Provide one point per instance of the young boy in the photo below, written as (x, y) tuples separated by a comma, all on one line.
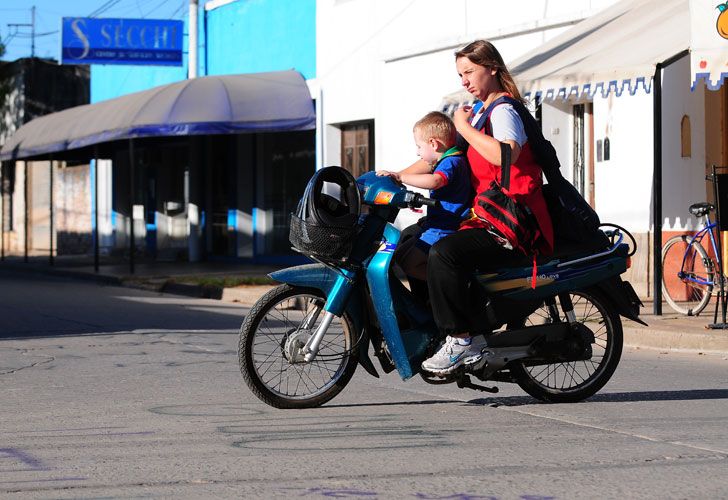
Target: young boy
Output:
[(449, 182)]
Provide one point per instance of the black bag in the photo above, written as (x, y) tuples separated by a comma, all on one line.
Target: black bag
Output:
[(571, 216)]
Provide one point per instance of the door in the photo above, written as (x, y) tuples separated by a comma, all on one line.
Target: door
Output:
[(357, 147), (579, 175)]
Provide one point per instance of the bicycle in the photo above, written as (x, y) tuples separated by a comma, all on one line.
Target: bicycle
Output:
[(693, 288)]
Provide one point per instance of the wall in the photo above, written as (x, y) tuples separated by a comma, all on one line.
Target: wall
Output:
[(627, 176), (252, 36), (109, 81), (683, 179)]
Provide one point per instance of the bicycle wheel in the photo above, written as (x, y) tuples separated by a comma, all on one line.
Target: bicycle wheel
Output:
[(574, 381), (271, 338), (687, 289)]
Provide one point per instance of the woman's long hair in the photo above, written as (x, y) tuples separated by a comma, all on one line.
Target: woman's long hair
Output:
[(484, 53)]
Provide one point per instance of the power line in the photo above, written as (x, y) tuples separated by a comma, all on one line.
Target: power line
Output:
[(109, 4), (155, 8), (31, 35)]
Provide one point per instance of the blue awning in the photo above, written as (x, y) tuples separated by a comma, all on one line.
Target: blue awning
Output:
[(230, 104)]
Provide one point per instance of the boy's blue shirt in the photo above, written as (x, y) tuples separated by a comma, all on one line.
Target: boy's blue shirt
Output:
[(455, 197)]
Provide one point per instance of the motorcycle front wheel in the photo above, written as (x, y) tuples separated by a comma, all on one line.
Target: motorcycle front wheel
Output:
[(577, 380), (270, 355)]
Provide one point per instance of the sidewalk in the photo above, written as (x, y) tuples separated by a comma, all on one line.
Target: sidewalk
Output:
[(245, 283)]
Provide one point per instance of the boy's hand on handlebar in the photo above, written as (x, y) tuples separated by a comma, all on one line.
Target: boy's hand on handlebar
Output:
[(386, 173)]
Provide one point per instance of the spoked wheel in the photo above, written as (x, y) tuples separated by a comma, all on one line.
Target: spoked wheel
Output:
[(687, 290), (270, 350), (577, 380)]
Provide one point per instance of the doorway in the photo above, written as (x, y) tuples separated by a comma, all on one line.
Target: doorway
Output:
[(583, 160)]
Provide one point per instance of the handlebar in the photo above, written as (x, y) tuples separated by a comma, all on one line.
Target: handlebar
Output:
[(416, 200)]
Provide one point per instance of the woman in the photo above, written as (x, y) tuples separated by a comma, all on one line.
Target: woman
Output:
[(457, 303)]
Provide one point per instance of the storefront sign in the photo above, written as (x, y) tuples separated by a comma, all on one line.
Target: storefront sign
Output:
[(121, 41)]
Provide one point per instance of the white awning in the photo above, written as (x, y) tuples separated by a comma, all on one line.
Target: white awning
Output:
[(615, 50), (227, 104)]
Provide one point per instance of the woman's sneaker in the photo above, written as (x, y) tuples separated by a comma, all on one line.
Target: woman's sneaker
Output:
[(453, 353)]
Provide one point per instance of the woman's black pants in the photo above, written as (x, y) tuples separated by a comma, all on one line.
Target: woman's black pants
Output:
[(458, 303)]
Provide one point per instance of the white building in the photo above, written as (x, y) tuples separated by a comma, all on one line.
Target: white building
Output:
[(381, 65)]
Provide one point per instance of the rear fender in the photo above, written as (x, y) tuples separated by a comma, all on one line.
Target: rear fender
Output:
[(322, 278), (622, 296)]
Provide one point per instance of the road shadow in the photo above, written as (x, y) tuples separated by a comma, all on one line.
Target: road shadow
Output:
[(612, 397), (615, 397), (394, 403)]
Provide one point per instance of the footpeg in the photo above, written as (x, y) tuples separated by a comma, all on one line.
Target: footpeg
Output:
[(466, 383)]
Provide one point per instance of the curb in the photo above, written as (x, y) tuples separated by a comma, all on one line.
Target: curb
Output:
[(693, 339)]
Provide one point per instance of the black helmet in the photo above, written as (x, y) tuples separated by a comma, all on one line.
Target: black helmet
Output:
[(327, 215), (331, 199)]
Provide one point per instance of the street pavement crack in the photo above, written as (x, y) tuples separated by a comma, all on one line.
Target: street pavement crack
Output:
[(616, 431), (24, 352)]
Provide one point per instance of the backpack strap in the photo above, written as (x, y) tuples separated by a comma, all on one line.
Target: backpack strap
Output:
[(480, 124), (505, 165)]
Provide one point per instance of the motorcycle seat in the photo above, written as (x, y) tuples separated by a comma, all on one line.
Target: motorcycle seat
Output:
[(563, 250)]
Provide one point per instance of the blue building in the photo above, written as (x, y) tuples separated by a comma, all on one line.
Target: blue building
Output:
[(196, 188), (240, 187)]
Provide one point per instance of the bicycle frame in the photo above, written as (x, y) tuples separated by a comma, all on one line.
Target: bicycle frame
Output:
[(697, 239)]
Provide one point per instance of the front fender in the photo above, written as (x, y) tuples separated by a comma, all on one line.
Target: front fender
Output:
[(322, 278), (315, 276)]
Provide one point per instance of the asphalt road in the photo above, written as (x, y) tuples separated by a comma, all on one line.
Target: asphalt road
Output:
[(112, 392)]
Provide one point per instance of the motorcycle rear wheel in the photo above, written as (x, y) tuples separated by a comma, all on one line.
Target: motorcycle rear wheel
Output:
[(577, 380), (269, 353)]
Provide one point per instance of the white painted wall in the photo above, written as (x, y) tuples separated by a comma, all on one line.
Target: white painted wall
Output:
[(623, 185), (392, 60), (683, 179)]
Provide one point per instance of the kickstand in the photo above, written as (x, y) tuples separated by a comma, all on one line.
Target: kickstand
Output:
[(465, 383)]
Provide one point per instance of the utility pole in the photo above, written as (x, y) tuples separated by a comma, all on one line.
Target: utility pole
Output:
[(32, 30), (192, 50)]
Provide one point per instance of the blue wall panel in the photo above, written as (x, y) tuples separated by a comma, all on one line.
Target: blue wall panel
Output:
[(109, 81), (250, 36)]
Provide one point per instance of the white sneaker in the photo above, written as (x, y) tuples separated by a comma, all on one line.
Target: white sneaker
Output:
[(453, 353)]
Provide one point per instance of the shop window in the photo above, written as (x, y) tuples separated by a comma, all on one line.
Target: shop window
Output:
[(685, 144)]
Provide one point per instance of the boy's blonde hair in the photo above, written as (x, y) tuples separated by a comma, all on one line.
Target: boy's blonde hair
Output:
[(436, 125)]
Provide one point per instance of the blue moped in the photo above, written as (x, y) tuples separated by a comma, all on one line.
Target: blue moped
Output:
[(560, 341)]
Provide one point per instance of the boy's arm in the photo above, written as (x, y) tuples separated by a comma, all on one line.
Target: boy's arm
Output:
[(418, 167), (424, 181)]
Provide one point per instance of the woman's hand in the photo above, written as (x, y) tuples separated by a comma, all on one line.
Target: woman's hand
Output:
[(386, 173), (461, 118)]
